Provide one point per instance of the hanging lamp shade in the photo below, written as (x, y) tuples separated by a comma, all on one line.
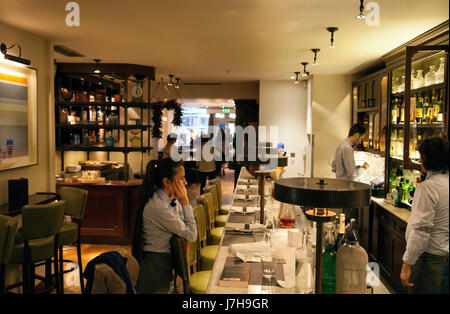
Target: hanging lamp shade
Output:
[(322, 192)]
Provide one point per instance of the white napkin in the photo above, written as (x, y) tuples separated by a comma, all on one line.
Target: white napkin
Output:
[(243, 197), (250, 209), (241, 226), (250, 252)]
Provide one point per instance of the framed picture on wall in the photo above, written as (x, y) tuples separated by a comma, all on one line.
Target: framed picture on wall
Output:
[(18, 115)]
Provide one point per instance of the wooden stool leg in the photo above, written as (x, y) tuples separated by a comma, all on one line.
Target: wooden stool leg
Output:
[(26, 268), (80, 265), (2, 279), (61, 270), (48, 273), (55, 265)]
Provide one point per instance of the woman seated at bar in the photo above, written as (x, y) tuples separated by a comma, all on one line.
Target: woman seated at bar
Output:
[(425, 262), (163, 210)]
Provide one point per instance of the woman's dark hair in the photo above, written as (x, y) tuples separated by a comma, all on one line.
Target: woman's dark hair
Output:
[(434, 153), (155, 173), (356, 128)]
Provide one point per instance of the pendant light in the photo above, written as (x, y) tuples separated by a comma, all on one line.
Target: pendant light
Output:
[(97, 69), (305, 73), (177, 85), (361, 15), (332, 30), (315, 50)]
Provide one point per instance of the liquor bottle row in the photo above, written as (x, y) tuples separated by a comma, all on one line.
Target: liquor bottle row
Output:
[(89, 94), (421, 78), (88, 138), (416, 137), (425, 108), (89, 115), (402, 187)]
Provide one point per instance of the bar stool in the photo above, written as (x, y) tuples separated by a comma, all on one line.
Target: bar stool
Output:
[(76, 200), (193, 282), (223, 209), (219, 220), (37, 241), (8, 231), (214, 233), (206, 253)]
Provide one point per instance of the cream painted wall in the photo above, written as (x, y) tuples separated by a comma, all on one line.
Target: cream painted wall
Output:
[(40, 52), (331, 118), (284, 104)]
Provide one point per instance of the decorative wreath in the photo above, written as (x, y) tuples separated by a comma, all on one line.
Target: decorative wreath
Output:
[(168, 104)]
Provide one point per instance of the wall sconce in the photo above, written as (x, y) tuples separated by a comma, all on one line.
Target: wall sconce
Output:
[(97, 70), (332, 30), (4, 49), (305, 73), (361, 15), (177, 85), (315, 50), (170, 81)]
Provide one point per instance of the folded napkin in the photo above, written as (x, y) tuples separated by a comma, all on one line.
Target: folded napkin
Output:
[(250, 252), (243, 197), (245, 186), (250, 209), (241, 226)]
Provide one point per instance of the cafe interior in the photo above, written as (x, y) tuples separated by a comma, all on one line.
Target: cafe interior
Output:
[(92, 92)]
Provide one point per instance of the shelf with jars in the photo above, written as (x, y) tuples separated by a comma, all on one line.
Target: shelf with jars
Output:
[(103, 111), (415, 113)]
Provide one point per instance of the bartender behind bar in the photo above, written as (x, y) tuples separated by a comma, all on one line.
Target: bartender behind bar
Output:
[(343, 164), (425, 262)]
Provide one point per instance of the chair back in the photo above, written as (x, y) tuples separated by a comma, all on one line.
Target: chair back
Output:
[(42, 221), (200, 218), (76, 200), (213, 190), (180, 260), (218, 185), (207, 201), (8, 231)]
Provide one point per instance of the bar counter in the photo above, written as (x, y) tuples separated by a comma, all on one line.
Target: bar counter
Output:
[(110, 211)]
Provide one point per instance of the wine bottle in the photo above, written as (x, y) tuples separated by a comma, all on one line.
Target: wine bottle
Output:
[(426, 110), (402, 111), (439, 109), (341, 233), (419, 109), (394, 111)]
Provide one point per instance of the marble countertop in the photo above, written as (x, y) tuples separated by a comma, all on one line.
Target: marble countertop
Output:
[(401, 213)]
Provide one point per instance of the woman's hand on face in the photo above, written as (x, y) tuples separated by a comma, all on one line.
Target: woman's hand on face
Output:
[(180, 193)]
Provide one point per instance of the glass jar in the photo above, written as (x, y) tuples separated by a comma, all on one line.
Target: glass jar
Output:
[(439, 76), (304, 274), (420, 80), (430, 76)]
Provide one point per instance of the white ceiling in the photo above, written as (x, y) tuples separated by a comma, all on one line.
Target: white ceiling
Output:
[(198, 40)]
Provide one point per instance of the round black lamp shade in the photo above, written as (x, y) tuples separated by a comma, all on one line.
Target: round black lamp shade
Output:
[(322, 192)]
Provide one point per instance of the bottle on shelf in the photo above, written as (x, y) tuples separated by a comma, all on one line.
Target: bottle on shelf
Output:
[(329, 263), (394, 111), (439, 114), (405, 192), (426, 110), (439, 76), (412, 110), (419, 109), (413, 78), (92, 115), (402, 111), (341, 233), (420, 80), (430, 76)]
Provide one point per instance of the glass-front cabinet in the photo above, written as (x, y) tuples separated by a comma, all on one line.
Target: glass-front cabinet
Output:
[(418, 110)]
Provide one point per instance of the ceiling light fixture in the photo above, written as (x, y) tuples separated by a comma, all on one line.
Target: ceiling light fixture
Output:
[(292, 77), (170, 81), (332, 30), (18, 58), (177, 85), (97, 69), (315, 50), (305, 73), (296, 77), (361, 15)]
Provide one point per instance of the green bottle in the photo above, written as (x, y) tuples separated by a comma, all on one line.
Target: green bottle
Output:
[(329, 264), (419, 111), (405, 191)]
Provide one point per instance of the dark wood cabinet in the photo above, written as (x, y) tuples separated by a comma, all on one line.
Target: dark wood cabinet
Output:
[(388, 245)]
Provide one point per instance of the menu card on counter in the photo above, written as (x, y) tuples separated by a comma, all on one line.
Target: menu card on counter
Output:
[(235, 276)]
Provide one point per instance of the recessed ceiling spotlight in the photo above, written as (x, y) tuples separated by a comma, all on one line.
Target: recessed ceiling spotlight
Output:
[(315, 50), (332, 30), (361, 15)]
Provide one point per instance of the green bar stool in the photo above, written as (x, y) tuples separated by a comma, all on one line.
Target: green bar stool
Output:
[(223, 209), (214, 233), (206, 253), (76, 200), (219, 220), (8, 231), (37, 241), (193, 282)]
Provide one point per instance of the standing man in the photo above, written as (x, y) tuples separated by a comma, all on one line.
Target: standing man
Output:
[(343, 164), (425, 262), (344, 160)]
